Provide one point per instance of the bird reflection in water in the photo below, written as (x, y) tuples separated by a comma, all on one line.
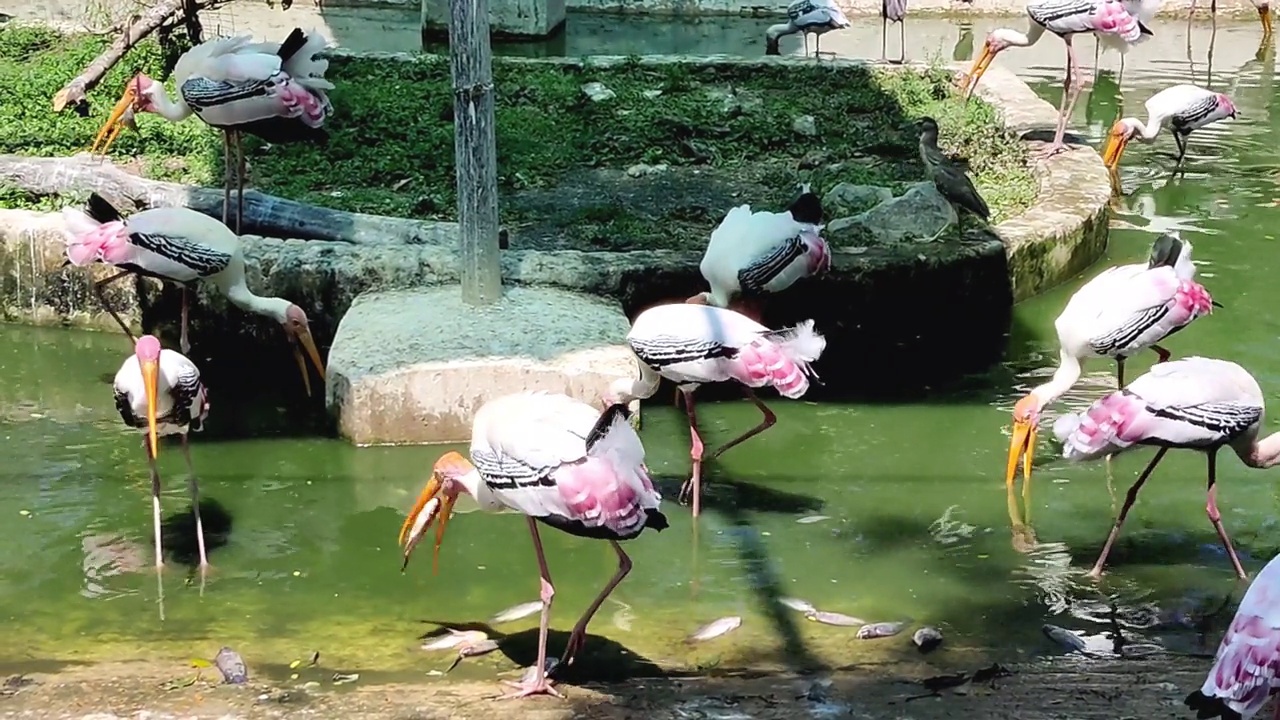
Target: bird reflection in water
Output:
[(1208, 76)]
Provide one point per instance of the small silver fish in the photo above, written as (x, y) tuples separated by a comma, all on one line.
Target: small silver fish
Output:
[(810, 519), (454, 638), (797, 604), (467, 649), (834, 618), (1064, 637), (715, 629), (880, 630), (927, 639), (515, 612), (232, 667)]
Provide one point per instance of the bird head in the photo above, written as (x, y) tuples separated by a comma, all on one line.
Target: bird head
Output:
[(299, 332), (807, 207), (998, 40), (1224, 102), (1022, 444), (139, 96), (147, 350), (1117, 140), (927, 127), (435, 502)]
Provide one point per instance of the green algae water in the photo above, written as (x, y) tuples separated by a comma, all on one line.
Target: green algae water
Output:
[(882, 511)]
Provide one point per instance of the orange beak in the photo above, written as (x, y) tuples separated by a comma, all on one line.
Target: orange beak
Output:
[(305, 339), (1117, 141), (150, 378), (121, 117), (1022, 446), (979, 67), (426, 510)]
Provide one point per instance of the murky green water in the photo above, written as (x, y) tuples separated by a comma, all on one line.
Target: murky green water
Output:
[(915, 520)]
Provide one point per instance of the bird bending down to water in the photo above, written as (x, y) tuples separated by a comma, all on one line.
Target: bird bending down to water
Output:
[(273, 91), (181, 246), (1262, 6), (1116, 24), (1244, 673), (159, 392), (805, 17), (893, 11), (558, 461), (1184, 107), (949, 177), (1195, 403), (1121, 312), (692, 345), (754, 253)]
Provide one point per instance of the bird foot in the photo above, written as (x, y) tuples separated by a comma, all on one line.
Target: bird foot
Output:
[(1054, 149), (538, 686), (686, 492)]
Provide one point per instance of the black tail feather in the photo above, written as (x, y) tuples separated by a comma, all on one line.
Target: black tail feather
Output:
[(1216, 304), (1209, 707), (292, 44), (101, 210), (607, 418)]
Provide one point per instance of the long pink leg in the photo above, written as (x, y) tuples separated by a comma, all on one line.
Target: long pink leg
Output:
[(1129, 499), (539, 685), (155, 500), (1211, 508), (1068, 100), (579, 635), (693, 488), (769, 420), (102, 300)]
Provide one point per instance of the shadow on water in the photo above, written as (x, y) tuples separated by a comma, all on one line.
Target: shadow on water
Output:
[(178, 532)]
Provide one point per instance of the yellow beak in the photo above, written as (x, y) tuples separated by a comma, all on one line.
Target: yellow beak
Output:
[(979, 67), (121, 117), (428, 508), (1021, 446), (1117, 141), (150, 378), (1264, 14), (304, 337)]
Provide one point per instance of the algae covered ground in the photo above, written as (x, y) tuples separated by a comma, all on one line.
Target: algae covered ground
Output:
[(391, 150)]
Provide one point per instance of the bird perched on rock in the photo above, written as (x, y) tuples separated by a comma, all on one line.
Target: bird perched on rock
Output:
[(806, 16), (949, 176)]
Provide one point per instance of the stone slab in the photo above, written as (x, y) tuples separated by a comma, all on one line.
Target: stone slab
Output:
[(414, 366), (529, 19)]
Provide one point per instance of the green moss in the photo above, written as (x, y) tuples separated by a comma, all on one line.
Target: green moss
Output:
[(391, 150)]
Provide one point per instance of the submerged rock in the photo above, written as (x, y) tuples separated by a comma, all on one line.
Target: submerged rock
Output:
[(846, 199)]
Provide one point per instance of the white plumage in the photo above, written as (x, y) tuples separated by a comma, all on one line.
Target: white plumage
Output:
[(1185, 108), (766, 251), (182, 403), (806, 16)]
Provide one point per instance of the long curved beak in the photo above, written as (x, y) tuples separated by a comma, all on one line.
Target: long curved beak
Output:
[(150, 379), (307, 342), (426, 510), (1116, 143), (1022, 446), (121, 117), (979, 67)]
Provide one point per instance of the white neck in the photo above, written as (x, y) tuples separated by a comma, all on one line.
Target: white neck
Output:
[(272, 307), (717, 297), (471, 482), (625, 390), (1145, 131), (1013, 38), (168, 109), (1262, 454), (1064, 377)]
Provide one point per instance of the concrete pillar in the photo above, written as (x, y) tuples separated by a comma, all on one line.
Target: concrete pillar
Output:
[(508, 19)]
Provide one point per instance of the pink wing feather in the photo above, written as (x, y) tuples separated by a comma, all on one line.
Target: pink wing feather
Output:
[(1111, 18), (88, 240), (597, 494), (1249, 657)]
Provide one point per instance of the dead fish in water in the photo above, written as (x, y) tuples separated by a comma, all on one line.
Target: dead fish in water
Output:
[(797, 604), (810, 519), (880, 630), (455, 638), (1064, 637), (715, 629), (466, 650), (232, 667), (927, 639), (834, 618), (515, 612)]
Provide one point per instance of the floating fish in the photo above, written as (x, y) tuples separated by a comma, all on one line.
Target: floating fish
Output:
[(466, 650), (455, 638), (715, 629), (810, 519), (880, 630), (1064, 637), (834, 618), (515, 612), (927, 639), (623, 616), (344, 678), (798, 605), (232, 667)]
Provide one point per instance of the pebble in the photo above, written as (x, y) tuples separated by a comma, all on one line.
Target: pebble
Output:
[(598, 92), (927, 639)]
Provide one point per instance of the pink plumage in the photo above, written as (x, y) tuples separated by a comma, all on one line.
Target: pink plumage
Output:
[(297, 101), (765, 362), (1112, 18), (819, 255), (1190, 301), (1112, 423), (596, 495), (88, 241)]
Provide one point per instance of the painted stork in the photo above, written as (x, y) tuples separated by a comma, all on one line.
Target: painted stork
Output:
[(1184, 108), (692, 345), (893, 11), (159, 393), (181, 246), (1121, 312), (1116, 24), (1262, 6), (1195, 403), (276, 92), (557, 461), (1243, 675), (805, 17), (951, 178)]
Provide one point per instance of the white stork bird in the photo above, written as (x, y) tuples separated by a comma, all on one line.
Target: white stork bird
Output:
[(181, 246), (159, 392), (692, 345), (1117, 25), (1243, 676), (753, 253), (1262, 6), (1195, 403), (804, 17), (1183, 107), (1121, 312), (555, 460), (276, 92)]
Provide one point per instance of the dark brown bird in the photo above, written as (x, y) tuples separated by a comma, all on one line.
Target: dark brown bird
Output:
[(950, 177)]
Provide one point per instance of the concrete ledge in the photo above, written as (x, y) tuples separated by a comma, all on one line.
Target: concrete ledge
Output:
[(414, 366)]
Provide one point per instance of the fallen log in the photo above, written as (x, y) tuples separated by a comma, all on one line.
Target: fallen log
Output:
[(265, 215), (74, 92)]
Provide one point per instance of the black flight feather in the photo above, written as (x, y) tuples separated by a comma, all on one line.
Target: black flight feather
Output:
[(101, 210), (605, 423), (1209, 707), (292, 44)]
